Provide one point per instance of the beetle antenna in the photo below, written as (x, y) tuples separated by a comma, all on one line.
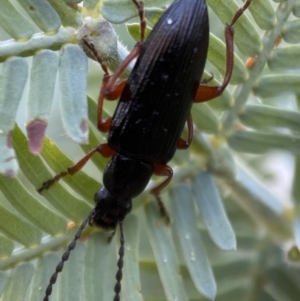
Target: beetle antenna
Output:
[(120, 263), (66, 255)]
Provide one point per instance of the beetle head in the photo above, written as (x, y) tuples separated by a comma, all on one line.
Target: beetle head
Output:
[(109, 209)]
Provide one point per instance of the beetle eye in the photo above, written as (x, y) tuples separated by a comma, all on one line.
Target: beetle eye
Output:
[(101, 194)]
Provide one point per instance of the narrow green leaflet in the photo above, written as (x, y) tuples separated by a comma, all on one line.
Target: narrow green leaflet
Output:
[(3, 281), (8, 163), (119, 11), (34, 211), (13, 77), (70, 281), (284, 58), (40, 97), (18, 282), (264, 117), (290, 32), (131, 286), (134, 31), (259, 192), (16, 229), (6, 248), (263, 14), (21, 30), (42, 14), (43, 271), (259, 203), (73, 83), (69, 16), (96, 266), (14, 73), (194, 253), (206, 119), (165, 256), (277, 84), (213, 212), (257, 142), (153, 14)]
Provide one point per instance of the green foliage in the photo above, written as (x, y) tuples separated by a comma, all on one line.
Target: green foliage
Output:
[(224, 194)]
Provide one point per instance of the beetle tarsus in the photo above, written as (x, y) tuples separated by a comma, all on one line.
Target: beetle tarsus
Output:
[(163, 210)]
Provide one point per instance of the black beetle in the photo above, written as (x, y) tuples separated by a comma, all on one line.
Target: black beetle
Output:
[(155, 103)]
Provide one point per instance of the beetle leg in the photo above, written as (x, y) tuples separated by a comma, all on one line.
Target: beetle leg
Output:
[(104, 124), (112, 87), (162, 170), (94, 52), (240, 12), (184, 144), (103, 149), (141, 13), (204, 92), (112, 84), (113, 80)]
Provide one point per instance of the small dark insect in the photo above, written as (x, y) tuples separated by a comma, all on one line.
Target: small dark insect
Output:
[(155, 103)]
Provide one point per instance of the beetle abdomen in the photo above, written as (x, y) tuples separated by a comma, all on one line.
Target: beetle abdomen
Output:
[(159, 93)]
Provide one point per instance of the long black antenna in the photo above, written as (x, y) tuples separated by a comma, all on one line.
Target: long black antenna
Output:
[(66, 255), (120, 263)]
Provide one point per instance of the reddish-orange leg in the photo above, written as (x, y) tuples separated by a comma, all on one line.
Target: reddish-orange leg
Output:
[(184, 144), (103, 149), (204, 92), (165, 171), (112, 94), (141, 13)]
